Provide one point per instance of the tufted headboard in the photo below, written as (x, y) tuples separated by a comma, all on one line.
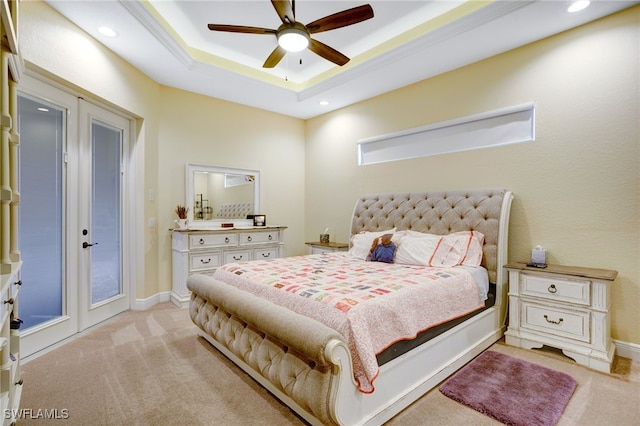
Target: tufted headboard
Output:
[(443, 212)]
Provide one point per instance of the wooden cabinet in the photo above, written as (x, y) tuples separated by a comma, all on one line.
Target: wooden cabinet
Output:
[(565, 307), (316, 247), (202, 252), (10, 259), (10, 381)]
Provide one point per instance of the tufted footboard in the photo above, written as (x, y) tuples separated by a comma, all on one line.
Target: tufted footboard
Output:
[(291, 355)]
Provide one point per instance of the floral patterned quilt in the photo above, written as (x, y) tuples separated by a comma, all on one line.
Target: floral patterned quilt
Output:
[(372, 304)]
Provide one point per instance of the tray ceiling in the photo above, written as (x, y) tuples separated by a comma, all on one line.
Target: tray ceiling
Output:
[(405, 42)]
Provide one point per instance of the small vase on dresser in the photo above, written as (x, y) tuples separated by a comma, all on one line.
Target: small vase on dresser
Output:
[(203, 251)]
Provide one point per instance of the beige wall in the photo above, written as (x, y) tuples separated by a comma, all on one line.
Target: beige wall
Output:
[(576, 187)]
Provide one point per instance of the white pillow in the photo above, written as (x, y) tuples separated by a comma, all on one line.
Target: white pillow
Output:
[(417, 248), (361, 243), (459, 248)]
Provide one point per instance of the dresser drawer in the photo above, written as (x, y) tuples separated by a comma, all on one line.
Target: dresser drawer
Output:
[(212, 240), (556, 321), (557, 289), (260, 237), (265, 253), (205, 260), (237, 256)]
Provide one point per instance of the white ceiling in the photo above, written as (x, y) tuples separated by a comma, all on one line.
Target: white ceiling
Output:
[(405, 42)]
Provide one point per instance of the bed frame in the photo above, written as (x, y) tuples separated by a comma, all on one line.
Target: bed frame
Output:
[(307, 365)]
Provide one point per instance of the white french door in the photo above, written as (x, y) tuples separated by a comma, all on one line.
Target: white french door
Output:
[(72, 214), (103, 140)]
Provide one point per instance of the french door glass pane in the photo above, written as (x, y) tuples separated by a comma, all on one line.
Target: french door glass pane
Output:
[(40, 219), (106, 145)]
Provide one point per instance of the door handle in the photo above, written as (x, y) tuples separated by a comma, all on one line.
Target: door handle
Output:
[(86, 244)]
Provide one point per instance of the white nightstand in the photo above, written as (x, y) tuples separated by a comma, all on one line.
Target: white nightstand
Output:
[(316, 247), (565, 307)]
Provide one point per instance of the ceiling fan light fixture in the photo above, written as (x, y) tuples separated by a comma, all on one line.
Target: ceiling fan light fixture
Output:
[(577, 6), (293, 39)]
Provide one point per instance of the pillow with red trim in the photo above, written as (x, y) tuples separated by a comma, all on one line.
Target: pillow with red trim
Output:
[(458, 248)]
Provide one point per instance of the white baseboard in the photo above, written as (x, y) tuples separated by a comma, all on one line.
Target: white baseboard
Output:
[(627, 350), (144, 304)]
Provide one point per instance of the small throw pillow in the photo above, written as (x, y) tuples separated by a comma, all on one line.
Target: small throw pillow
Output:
[(383, 249)]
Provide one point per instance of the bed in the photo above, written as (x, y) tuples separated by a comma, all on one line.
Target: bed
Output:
[(311, 366)]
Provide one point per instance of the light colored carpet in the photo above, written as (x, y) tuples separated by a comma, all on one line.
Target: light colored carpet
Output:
[(149, 368)]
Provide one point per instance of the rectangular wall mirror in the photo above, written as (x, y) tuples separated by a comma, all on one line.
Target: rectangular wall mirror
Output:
[(217, 195)]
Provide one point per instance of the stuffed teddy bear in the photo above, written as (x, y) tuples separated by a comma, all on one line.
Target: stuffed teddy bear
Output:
[(382, 249)]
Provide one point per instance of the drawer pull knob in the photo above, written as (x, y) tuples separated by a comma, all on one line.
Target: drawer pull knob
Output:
[(552, 321), (205, 261), (201, 241), (270, 237), (226, 239), (237, 257), (249, 238), (266, 254), (552, 289)]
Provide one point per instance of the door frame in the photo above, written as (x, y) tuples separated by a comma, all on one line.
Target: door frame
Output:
[(31, 84)]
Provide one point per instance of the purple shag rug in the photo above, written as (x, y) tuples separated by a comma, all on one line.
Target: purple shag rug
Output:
[(512, 391)]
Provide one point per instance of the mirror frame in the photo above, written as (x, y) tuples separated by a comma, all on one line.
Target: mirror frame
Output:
[(191, 168)]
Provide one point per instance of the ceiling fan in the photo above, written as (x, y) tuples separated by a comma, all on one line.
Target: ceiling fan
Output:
[(294, 36)]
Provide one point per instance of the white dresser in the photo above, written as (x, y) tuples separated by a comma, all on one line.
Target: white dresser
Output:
[(565, 307), (201, 252)]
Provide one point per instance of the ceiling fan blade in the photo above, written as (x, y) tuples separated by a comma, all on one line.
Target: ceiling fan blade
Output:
[(275, 57), (284, 9), (240, 29), (341, 19), (329, 53)]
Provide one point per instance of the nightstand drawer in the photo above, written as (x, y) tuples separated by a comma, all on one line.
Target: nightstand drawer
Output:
[(321, 250), (205, 260), (557, 289), (556, 321)]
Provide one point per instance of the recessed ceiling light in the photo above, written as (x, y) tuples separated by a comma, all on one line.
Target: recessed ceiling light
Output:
[(323, 103), (577, 6), (106, 31)]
